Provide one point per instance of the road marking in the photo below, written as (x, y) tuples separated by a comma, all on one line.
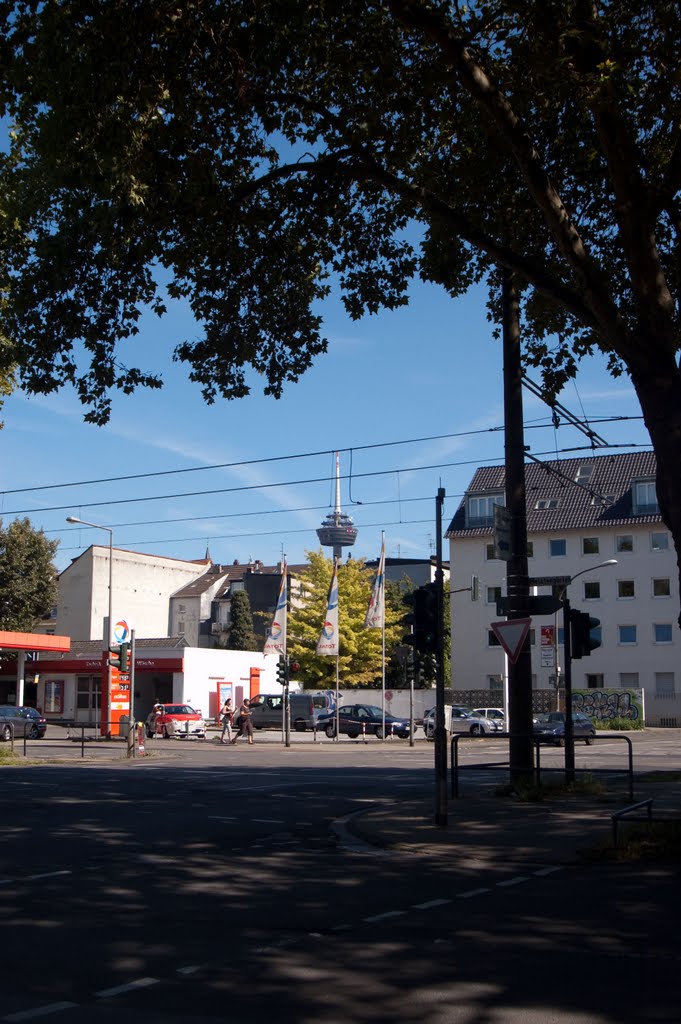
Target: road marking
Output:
[(40, 1011), (268, 821), (47, 874), (131, 986), (189, 970), (471, 892), (513, 881), (385, 916), (547, 871), (430, 903)]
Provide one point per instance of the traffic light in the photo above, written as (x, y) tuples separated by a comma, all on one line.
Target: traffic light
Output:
[(125, 659), (282, 670), (423, 619), (293, 668), (585, 635), (115, 656)]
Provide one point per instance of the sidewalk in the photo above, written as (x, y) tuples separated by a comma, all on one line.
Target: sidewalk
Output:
[(484, 829)]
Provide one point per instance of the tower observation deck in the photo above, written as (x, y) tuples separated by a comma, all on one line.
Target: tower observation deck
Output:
[(337, 530)]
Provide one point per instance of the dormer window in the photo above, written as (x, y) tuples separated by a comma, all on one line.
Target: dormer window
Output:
[(544, 504), (645, 498), (480, 509), (584, 473)]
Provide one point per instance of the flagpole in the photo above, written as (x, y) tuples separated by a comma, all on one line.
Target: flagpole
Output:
[(383, 641), (337, 700)]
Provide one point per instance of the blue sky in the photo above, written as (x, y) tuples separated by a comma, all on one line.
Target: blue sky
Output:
[(429, 370)]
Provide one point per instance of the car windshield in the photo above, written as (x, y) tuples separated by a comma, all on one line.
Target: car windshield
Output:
[(179, 709)]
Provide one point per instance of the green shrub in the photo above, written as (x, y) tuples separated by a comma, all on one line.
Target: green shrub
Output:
[(620, 724)]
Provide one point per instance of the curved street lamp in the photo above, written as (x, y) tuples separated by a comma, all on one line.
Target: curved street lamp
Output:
[(107, 639), (567, 663)]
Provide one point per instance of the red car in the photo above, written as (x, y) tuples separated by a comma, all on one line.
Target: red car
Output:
[(175, 720)]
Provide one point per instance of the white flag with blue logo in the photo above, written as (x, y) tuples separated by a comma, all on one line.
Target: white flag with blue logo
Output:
[(376, 610), (328, 641), (276, 640)]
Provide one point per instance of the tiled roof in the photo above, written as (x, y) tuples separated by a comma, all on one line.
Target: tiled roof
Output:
[(603, 499), (94, 647)]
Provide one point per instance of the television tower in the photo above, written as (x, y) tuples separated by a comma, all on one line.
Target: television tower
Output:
[(337, 530)]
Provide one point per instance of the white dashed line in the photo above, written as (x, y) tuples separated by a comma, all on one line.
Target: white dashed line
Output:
[(471, 892), (547, 871), (430, 903), (189, 970), (40, 1011), (512, 881), (47, 874), (131, 986), (384, 917)]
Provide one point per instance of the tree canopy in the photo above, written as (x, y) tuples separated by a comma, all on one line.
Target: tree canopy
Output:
[(245, 155), (28, 576), (360, 655), (241, 634)]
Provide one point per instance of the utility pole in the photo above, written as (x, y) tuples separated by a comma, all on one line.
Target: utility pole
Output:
[(521, 749), (440, 730)]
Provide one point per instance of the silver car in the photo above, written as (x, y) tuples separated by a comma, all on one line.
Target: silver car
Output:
[(460, 719)]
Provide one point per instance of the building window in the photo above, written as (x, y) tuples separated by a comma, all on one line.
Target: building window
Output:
[(532, 636), (495, 682), (592, 590), (659, 542), (645, 498), (480, 509), (584, 473), (625, 589), (626, 634), (557, 548), (629, 680), (493, 595), (546, 504), (662, 632), (180, 628), (561, 637), (489, 552), (530, 549), (625, 542), (594, 680), (664, 684), (589, 545), (492, 640), (662, 588)]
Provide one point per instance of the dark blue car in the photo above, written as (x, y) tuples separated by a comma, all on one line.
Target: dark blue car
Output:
[(363, 720)]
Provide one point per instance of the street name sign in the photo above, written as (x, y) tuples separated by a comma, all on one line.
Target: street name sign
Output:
[(549, 581)]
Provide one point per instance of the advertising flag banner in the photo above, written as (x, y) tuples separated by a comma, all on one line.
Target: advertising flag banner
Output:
[(376, 610), (328, 640), (276, 641)]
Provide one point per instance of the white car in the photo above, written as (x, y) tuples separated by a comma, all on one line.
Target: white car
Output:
[(493, 713)]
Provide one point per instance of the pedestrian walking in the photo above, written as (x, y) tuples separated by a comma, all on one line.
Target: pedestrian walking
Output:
[(227, 717), (243, 721)]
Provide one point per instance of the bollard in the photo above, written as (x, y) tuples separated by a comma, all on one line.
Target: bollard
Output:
[(364, 731)]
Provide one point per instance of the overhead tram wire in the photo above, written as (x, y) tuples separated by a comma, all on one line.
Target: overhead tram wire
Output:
[(289, 458)]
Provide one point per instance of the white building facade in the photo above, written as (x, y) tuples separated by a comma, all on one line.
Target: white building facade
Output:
[(580, 513)]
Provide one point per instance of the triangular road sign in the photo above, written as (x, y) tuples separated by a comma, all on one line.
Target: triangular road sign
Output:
[(511, 635)]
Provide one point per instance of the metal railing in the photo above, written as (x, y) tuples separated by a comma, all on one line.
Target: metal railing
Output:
[(537, 769)]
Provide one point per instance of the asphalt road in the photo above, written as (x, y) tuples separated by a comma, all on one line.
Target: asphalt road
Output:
[(207, 883)]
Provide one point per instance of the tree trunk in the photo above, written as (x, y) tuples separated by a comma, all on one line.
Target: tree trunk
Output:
[(658, 388)]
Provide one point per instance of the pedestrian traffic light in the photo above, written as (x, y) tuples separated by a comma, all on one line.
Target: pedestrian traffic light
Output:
[(125, 659), (424, 634), (282, 670), (585, 633)]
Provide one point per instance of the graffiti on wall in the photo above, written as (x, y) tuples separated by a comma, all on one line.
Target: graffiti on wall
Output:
[(605, 705)]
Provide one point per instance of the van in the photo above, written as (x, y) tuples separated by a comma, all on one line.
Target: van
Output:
[(267, 710)]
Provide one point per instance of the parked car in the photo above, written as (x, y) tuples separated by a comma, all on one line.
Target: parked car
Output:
[(551, 727), (461, 719), (175, 720), (22, 721), (357, 719), (267, 710), (496, 713)]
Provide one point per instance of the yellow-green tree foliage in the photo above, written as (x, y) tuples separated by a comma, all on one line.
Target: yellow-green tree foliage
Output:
[(360, 648)]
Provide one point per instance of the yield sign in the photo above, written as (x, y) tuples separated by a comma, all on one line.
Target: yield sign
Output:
[(511, 635)]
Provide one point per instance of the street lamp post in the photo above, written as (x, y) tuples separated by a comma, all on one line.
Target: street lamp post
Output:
[(107, 639), (567, 668)]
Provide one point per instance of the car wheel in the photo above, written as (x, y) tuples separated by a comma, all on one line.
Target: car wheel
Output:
[(166, 734), (299, 725), (560, 743), (6, 732), (475, 730), (150, 735), (330, 730), (403, 735), (589, 740), (379, 732), (34, 733), (353, 735)]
